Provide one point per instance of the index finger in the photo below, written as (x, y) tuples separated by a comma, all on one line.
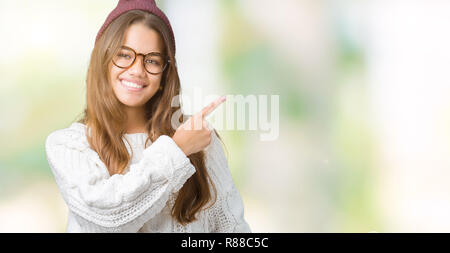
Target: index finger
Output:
[(211, 107)]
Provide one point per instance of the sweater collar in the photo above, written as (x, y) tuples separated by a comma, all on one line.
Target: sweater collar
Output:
[(135, 139)]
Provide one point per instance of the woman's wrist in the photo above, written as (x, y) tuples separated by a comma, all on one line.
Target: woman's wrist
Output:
[(175, 139)]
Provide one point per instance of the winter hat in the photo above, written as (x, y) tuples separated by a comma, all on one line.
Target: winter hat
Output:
[(145, 5)]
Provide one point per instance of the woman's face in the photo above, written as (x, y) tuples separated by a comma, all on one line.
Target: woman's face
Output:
[(142, 40)]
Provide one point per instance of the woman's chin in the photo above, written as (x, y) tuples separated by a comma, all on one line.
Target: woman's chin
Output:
[(129, 103)]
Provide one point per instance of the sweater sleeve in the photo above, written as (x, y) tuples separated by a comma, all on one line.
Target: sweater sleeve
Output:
[(227, 213), (118, 203)]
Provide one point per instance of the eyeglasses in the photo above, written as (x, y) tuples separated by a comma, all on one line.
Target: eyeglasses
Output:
[(154, 63)]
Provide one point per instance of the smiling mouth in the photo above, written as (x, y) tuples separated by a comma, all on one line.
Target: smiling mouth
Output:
[(132, 86)]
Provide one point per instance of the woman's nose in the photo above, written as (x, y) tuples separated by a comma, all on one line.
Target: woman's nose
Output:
[(137, 68)]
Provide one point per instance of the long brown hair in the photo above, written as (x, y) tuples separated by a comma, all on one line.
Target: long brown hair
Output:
[(105, 117)]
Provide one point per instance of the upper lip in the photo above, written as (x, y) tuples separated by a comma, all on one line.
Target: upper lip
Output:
[(134, 81)]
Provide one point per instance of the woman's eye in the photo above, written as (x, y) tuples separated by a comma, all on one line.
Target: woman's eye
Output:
[(152, 62), (124, 56)]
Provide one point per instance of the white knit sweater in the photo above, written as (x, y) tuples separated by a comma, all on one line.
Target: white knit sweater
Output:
[(141, 199)]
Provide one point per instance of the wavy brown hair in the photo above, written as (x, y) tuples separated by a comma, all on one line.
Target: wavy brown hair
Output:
[(105, 117)]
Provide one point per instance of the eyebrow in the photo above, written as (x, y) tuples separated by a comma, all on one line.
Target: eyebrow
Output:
[(154, 53)]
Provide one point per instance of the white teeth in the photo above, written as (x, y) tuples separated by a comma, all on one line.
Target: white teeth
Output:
[(133, 85)]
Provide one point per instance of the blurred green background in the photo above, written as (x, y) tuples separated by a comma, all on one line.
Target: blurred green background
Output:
[(364, 142)]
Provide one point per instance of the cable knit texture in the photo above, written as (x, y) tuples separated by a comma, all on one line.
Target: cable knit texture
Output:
[(140, 200)]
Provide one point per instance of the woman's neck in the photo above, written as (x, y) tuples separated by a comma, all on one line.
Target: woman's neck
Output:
[(136, 120)]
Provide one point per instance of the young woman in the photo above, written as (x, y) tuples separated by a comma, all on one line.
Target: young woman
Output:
[(124, 167)]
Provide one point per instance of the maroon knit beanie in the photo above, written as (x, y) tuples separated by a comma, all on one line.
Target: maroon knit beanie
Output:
[(145, 5)]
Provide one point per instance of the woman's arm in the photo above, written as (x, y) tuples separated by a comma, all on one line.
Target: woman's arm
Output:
[(227, 214), (118, 203)]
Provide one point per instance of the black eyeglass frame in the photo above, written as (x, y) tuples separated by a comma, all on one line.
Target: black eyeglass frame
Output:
[(166, 61)]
